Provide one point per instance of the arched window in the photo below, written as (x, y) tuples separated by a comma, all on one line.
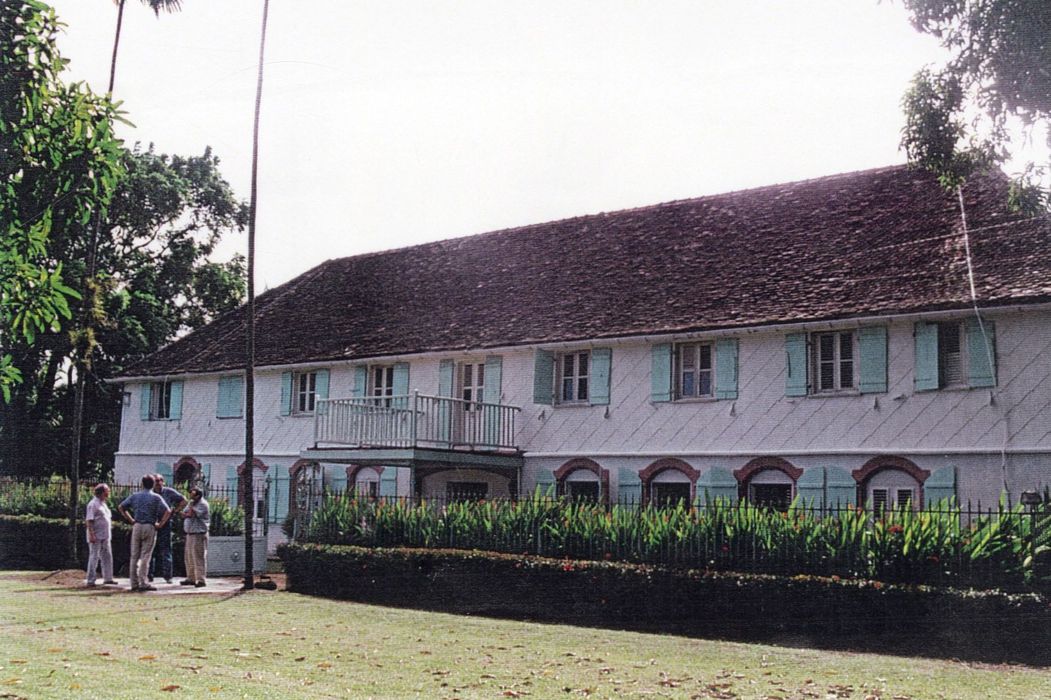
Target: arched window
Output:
[(366, 482), (768, 482), (187, 471), (583, 479), (668, 482), (891, 483)]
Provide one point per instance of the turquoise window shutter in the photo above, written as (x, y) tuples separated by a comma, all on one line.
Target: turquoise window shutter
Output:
[(726, 368), (338, 479), (660, 372), (165, 470), (926, 339), (981, 373), (601, 371), (279, 494), (796, 383), (145, 398), (389, 482), (286, 393), (544, 377), (810, 488), (321, 390), (231, 485), (872, 354), (629, 487), (491, 394), (716, 484), (175, 409), (940, 488), (361, 381), (206, 476), (446, 369), (231, 397), (545, 483), (401, 383), (840, 488)]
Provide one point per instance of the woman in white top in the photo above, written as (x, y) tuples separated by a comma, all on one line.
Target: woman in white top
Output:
[(98, 523)]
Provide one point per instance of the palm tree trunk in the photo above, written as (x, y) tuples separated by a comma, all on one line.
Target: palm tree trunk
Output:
[(249, 499), (116, 43)]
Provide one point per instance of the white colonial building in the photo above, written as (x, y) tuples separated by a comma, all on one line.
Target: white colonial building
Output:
[(817, 339)]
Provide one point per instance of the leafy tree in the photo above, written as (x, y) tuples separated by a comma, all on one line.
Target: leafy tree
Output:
[(959, 117), (156, 281), (59, 161)]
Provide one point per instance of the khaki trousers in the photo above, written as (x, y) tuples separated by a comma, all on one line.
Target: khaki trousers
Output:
[(143, 537), (195, 555)]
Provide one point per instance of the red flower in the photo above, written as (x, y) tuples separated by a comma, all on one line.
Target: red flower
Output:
[(896, 529), (607, 556), (567, 566), (933, 557)]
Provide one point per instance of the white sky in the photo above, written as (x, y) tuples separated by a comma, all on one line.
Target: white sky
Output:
[(392, 123)]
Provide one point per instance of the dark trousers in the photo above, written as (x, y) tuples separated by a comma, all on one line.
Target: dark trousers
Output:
[(162, 553)]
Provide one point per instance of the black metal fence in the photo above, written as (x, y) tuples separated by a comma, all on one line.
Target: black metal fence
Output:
[(944, 544)]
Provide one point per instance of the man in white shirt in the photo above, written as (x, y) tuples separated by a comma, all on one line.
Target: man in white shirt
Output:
[(99, 522)]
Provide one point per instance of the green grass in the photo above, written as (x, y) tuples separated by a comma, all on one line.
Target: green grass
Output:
[(66, 643)]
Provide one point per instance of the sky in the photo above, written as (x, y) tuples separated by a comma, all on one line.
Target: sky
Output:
[(387, 124)]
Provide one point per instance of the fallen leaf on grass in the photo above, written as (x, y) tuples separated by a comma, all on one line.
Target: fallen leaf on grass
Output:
[(324, 664), (55, 650), (147, 657), (170, 688), (12, 681), (19, 661), (301, 658), (101, 653), (196, 649)]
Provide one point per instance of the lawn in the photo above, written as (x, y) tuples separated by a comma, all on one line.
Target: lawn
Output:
[(60, 642)]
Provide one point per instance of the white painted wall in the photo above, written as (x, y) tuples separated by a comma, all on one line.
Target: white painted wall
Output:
[(965, 428)]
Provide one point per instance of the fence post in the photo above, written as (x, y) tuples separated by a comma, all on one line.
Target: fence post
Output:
[(266, 508)]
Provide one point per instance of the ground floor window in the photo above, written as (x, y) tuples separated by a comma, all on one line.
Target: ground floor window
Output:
[(466, 490), (892, 489), (773, 496), (671, 493), (367, 483), (582, 490)]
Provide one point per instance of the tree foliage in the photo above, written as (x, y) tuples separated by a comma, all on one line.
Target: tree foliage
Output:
[(998, 74), (59, 162)]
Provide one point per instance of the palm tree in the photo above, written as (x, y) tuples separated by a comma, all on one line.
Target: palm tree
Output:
[(82, 360), (249, 582)]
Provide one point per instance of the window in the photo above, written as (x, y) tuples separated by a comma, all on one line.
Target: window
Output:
[(231, 398), (950, 354), (892, 490), (160, 401), (472, 385), (582, 490), (833, 360), (304, 392), (466, 490), (693, 370), (382, 383), (774, 496), (572, 376), (367, 484), (671, 493)]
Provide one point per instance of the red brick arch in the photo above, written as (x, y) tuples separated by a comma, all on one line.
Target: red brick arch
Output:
[(352, 474), (894, 463), (585, 464), (648, 474), (761, 464), (256, 462), (182, 464)]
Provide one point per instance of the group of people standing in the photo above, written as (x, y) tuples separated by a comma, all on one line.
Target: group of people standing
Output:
[(149, 511)]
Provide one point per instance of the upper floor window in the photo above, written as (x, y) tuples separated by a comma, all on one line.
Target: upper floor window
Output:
[(573, 376), (381, 383), (694, 370), (160, 400), (950, 354), (833, 360), (472, 384), (304, 392)]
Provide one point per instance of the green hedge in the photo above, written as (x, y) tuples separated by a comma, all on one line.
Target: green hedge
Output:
[(30, 541), (813, 610)]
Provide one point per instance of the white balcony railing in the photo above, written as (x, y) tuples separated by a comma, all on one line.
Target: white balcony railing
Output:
[(415, 420)]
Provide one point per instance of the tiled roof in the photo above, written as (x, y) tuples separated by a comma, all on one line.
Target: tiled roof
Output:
[(874, 242)]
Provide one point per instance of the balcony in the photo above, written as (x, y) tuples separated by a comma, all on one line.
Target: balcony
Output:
[(415, 421)]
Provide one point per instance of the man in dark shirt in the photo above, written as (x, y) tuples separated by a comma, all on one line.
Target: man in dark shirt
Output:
[(162, 551), (149, 513)]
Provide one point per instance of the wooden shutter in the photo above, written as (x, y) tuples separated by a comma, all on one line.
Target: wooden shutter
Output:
[(280, 494), (601, 369), (660, 372), (796, 364), (810, 488), (286, 393), (389, 483), (446, 373), (165, 470), (231, 485), (337, 479), (545, 483), (872, 356), (400, 387), (361, 381), (145, 399), (840, 488), (491, 395), (544, 377), (940, 488), (321, 391), (926, 341), (726, 368), (175, 405), (231, 395), (981, 373), (206, 477), (629, 487), (716, 484)]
